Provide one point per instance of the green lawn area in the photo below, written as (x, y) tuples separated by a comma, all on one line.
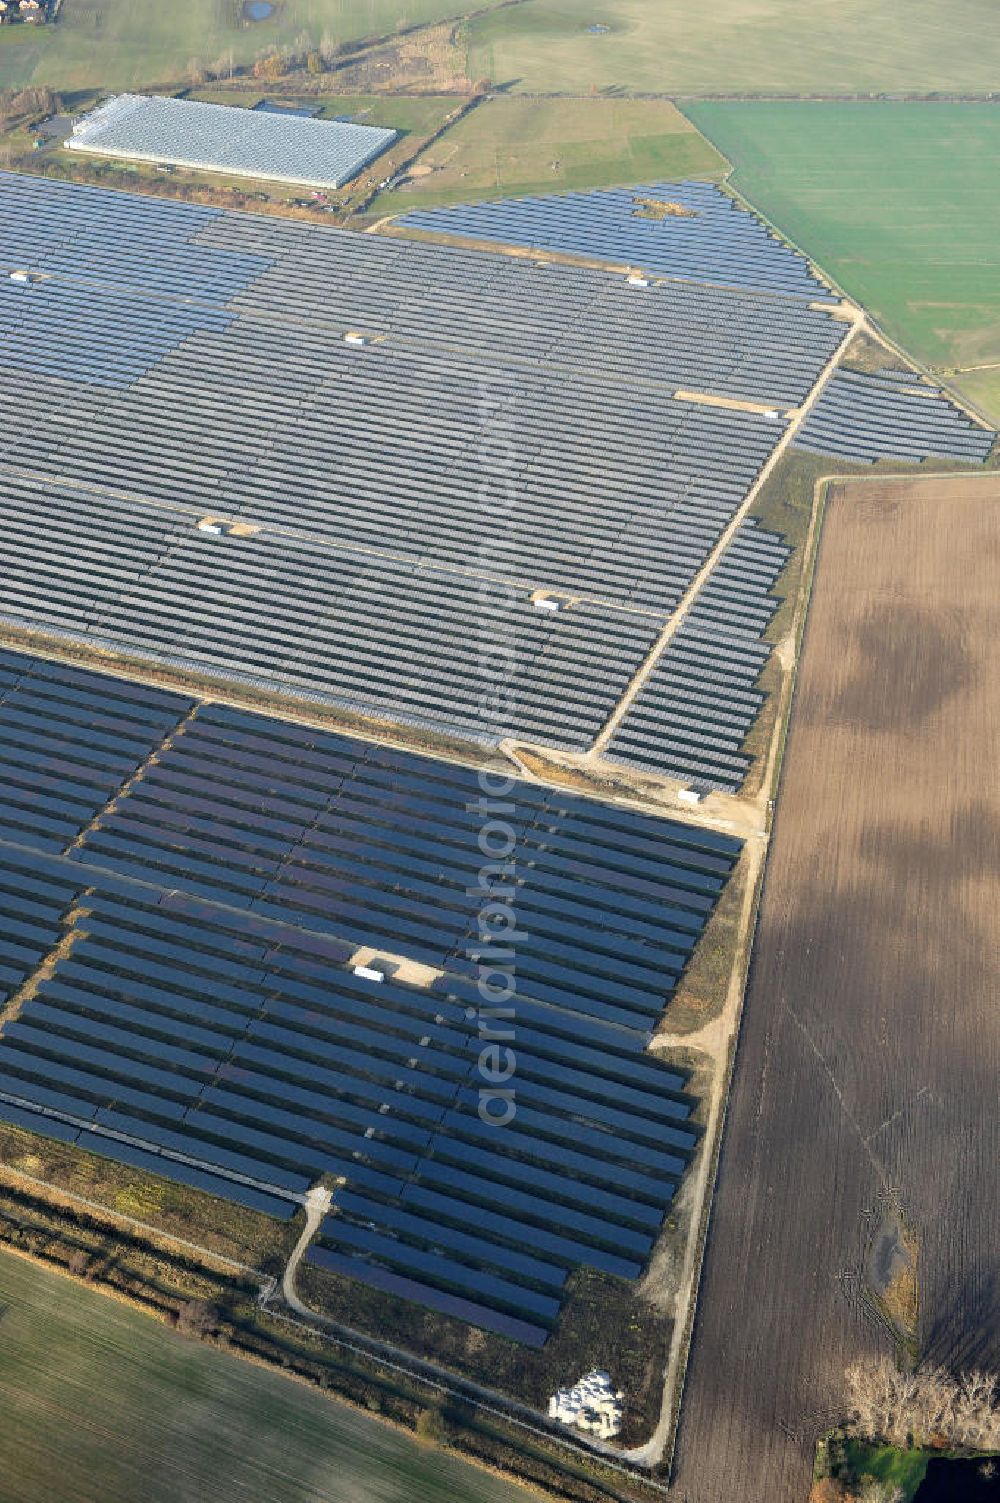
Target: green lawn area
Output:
[(100, 1402), (735, 47), (902, 1469), (127, 44), (898, 202), (416, 114), (982, 389), (514, 145)]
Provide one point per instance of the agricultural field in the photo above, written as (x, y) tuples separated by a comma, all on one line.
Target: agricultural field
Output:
[(739, 47), (860, 1121), (101, 1401), (895, 201), (564, 46), (128, 44), (512, 145)]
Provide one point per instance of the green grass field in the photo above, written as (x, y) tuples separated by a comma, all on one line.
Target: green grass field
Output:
[(741, 46), (904, 1470), (101, 1404), (898, 202), (126, 44), (415, 114), (512, 145), (731, 47)]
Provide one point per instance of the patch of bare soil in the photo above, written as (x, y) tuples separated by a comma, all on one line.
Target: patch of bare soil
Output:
[(428, 61)]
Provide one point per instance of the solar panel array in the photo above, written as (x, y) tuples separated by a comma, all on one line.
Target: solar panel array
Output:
[(199, 1015), (426, 493), (77, 1059), (695, 711), (115, 277), (32, 914), (68, 741), (105, 238), (249, 143), (508, 429), (67, 331), (891, 415), (291, 822), (711, 239), (385, 637)]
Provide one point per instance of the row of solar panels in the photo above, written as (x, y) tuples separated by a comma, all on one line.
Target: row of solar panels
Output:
[(692, 717), (562, 511), (306, 826), (67, 331), (168, 1025), (866, 417), (440, 650), (118, 240), (426, 294), (68, 741), (711, 239)]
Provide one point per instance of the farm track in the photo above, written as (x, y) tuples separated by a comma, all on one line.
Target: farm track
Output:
[(870, 1044)]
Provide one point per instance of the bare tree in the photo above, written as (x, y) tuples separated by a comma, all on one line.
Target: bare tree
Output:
[(882, 1492), (928, 1407)]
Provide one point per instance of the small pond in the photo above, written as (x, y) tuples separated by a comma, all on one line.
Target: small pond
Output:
[(969, 1481), (257, 10)]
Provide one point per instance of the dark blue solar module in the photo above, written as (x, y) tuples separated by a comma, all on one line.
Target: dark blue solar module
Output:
[(118, 280), (49, 1127), (306, 826), (33, 916), (68, 740), (199, 1016), (523, 1331), (690, 230)]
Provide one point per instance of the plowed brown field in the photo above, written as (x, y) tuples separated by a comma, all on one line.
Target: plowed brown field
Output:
[(869, 1063)]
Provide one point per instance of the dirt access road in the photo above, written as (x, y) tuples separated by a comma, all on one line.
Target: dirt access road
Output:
[(870, 1053)]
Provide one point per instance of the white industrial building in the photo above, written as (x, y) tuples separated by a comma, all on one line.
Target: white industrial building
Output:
[(593, 1405), (221, 138)]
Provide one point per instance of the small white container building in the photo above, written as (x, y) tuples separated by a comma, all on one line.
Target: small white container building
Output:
[(369, 972)]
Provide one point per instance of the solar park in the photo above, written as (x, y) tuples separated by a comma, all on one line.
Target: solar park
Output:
[(692, 716), (280, 457), (200, 1015), (186, 361)]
